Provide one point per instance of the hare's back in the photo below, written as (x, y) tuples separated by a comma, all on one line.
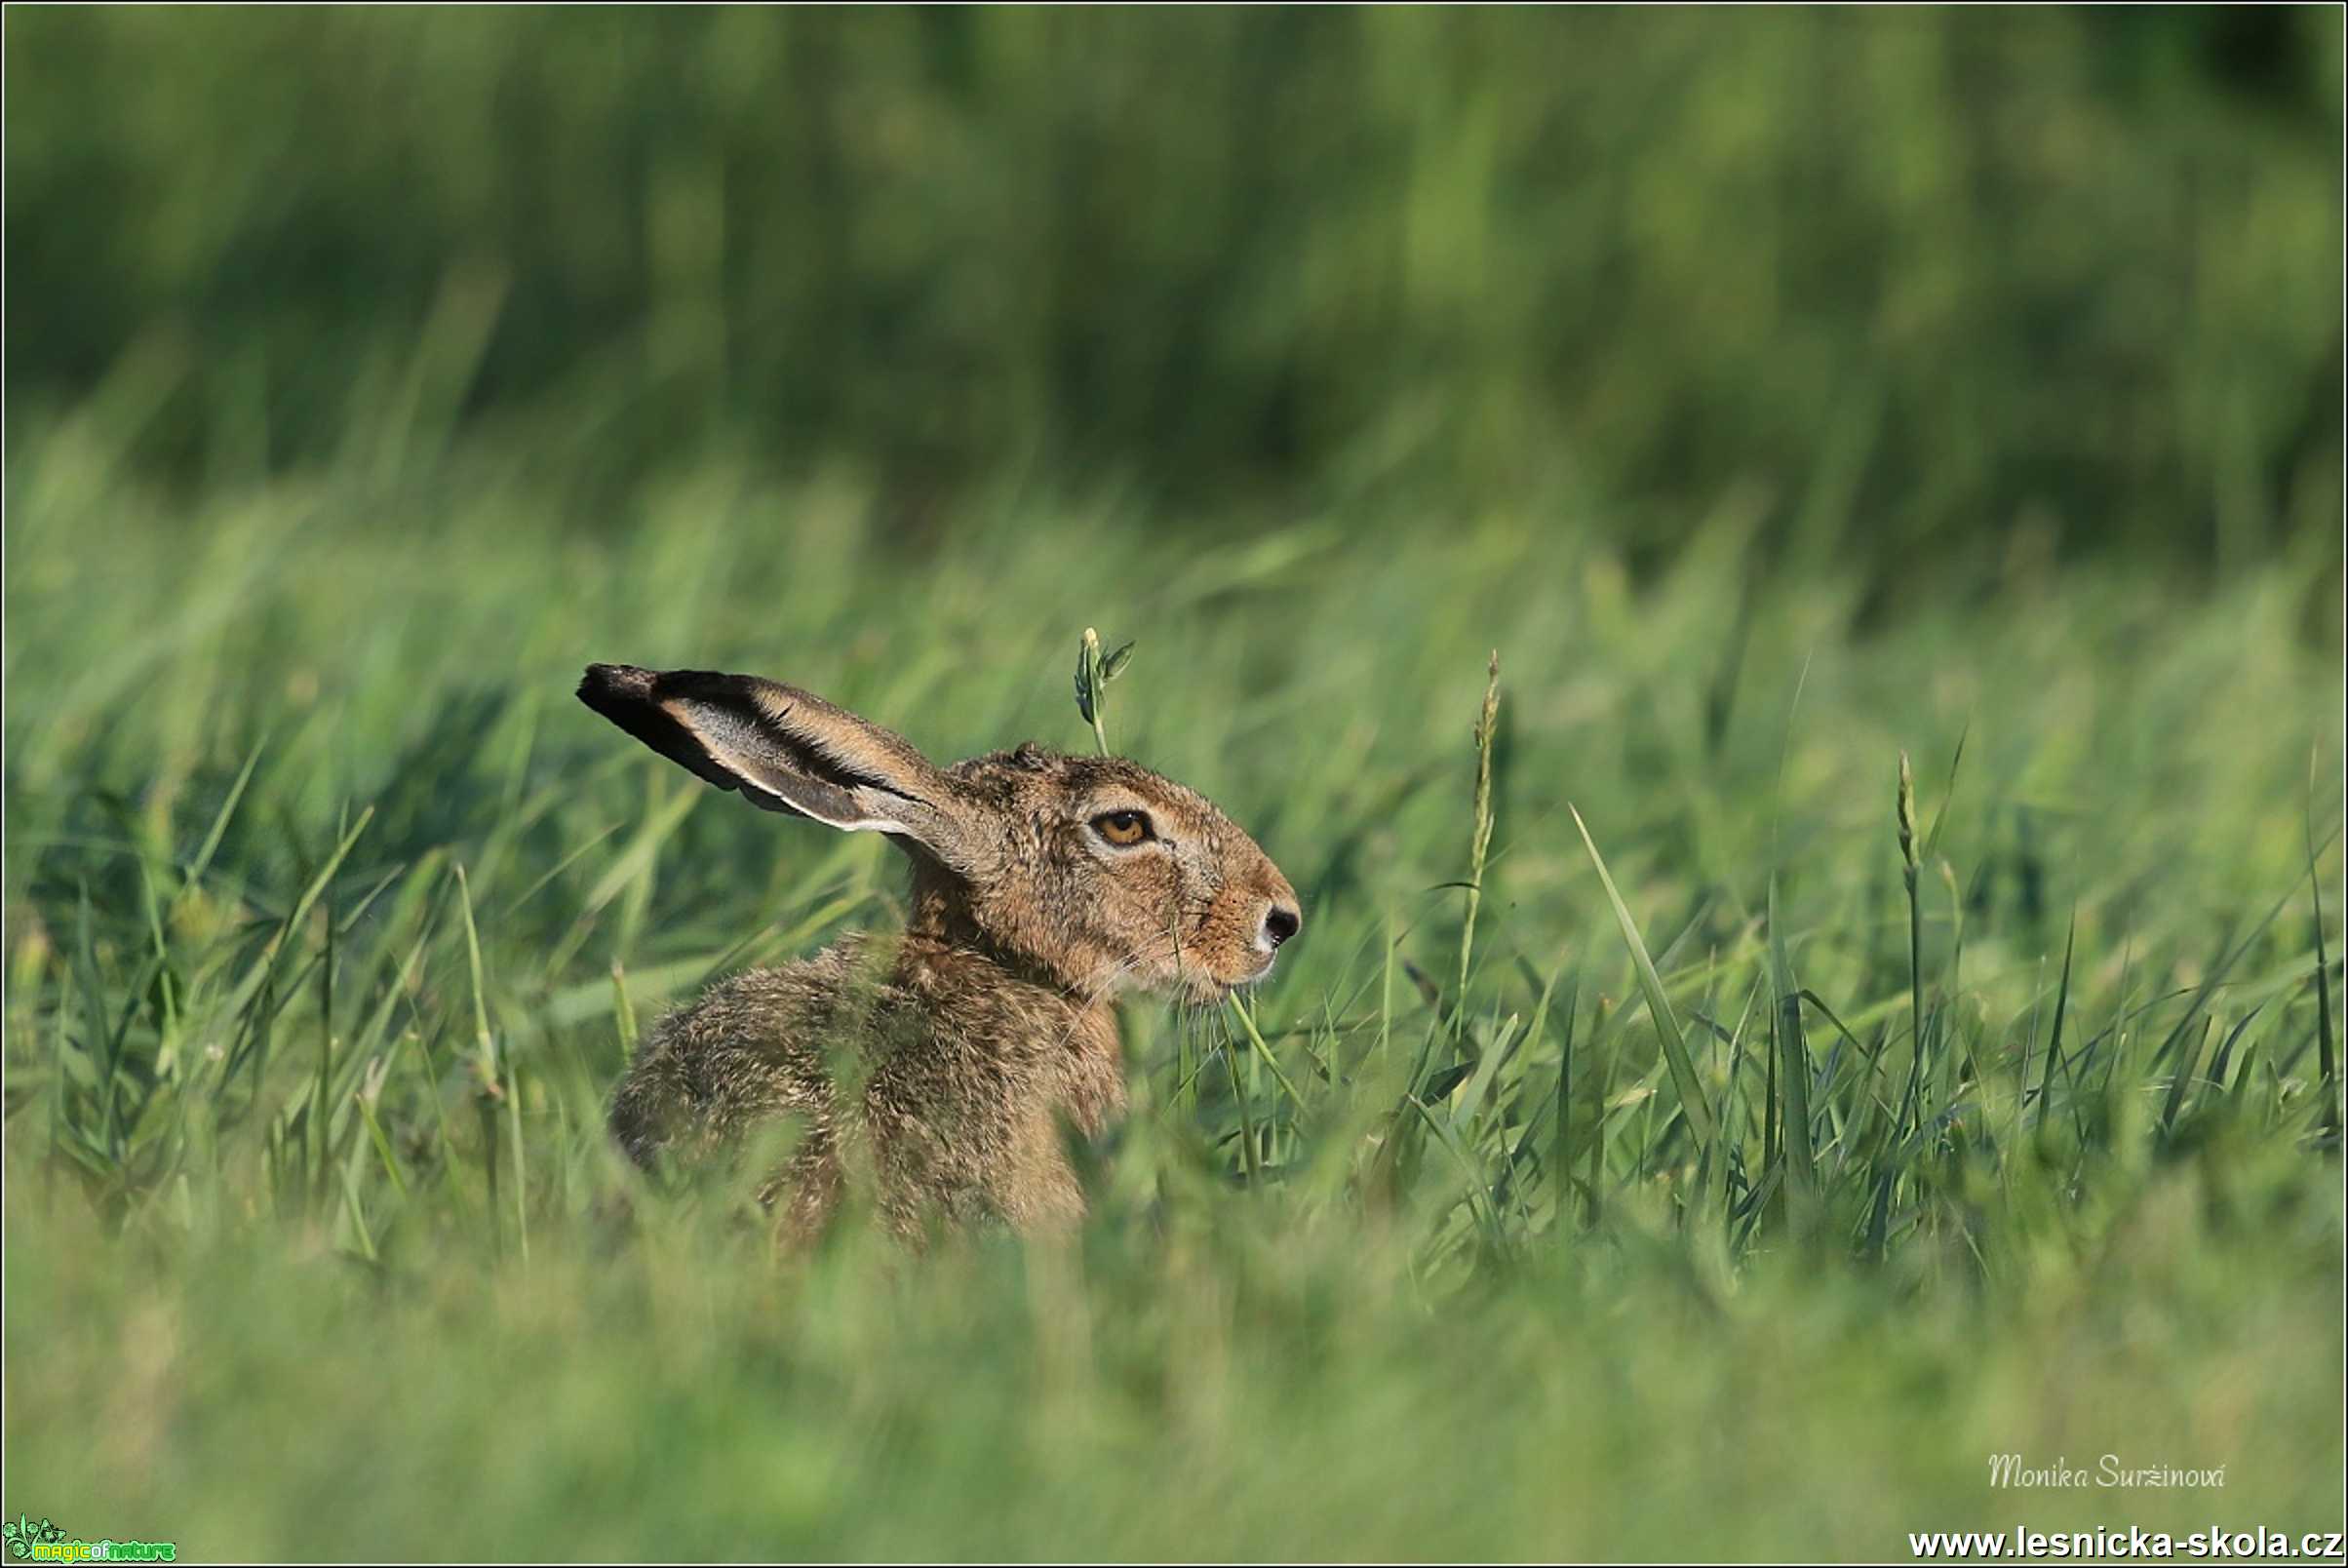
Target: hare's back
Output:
[(756, 1044)]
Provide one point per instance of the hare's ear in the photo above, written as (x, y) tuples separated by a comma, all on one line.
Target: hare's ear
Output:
[(786, 750)]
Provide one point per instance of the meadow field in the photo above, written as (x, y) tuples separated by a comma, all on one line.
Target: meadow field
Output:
[(1821, 952)]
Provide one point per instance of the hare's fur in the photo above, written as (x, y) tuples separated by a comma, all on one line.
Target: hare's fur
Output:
[(967, 1075), (952, 1061)]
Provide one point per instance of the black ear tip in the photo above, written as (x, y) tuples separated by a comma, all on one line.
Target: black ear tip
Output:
[(628, 696), (608, 683)]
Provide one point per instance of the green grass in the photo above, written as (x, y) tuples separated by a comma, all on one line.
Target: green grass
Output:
[(2066, 273), (330, 916)]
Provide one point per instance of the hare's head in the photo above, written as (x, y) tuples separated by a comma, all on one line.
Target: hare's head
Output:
[(1091, 869)]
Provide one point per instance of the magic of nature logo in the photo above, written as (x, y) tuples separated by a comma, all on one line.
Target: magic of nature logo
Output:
[(43, 1541)]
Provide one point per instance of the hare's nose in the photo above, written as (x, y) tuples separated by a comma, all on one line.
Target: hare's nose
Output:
[(1281, 923)]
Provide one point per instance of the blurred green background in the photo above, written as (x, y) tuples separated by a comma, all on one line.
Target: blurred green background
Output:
[(1937, 279), (1787, 394)]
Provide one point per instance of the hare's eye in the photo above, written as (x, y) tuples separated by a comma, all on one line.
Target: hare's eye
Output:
[(1124, 829)]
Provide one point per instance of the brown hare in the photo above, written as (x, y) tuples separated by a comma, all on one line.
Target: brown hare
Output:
[(1043, 885)]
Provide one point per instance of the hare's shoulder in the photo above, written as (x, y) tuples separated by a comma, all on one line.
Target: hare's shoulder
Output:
[(780, 1006), (756, 1043), (985, 1036)]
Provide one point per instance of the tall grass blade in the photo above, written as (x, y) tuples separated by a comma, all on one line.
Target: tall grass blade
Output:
[(2063, 1002), (1794, 1078), (1480, 839), (1908, 865), (2328, 1118), (1692, 1101)]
